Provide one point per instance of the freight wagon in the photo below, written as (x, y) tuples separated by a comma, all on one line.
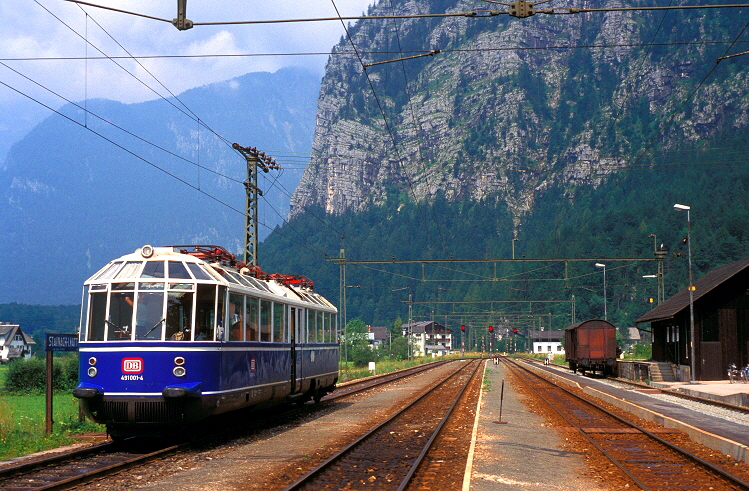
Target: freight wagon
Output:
[(591, 346)]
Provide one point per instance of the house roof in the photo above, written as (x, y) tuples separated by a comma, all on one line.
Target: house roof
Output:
[(380, 333), (9, 331), (702, 286), (427, 326), (545, 336)]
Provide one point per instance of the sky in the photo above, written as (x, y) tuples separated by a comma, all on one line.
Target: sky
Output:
[(36, 34)]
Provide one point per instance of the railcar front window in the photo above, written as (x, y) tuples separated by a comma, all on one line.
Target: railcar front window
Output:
[(205, 312), (129, 270), (153, 269), (198, 272), (120, 320), (177, 270), (178, 316), (149, 315), (108, 271), (96, 316)]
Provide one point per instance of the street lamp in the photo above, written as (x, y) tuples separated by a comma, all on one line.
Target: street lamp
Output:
[(686, 208), (513, 246), (605, 313)]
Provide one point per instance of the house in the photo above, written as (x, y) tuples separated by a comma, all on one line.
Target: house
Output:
[(547, 341), (14, 343), (377, 336), (721, 324), (429, 337)]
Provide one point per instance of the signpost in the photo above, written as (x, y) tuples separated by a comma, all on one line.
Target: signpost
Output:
[(55, 342)]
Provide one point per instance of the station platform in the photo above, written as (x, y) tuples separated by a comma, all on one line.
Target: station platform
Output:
[(502, 451), (513, 449)]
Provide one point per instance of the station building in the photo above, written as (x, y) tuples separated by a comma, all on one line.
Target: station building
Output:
[(721, 324)]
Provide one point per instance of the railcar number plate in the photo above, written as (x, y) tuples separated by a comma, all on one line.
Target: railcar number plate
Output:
[(131, 377)]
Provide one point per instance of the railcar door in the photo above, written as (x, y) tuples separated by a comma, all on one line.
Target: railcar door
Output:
[(292, 340)]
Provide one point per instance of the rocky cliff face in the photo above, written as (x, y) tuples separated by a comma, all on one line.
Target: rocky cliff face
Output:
[(511, 108)]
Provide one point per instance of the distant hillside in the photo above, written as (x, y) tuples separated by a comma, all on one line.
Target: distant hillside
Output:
[(73, 201)]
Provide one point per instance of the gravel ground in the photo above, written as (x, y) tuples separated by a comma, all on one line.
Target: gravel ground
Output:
[(709, 409)]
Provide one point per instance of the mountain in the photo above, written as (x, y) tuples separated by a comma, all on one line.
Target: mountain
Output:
[(575, 134), (78, 191), (514, 108)]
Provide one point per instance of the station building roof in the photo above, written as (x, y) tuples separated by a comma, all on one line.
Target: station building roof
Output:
[(702, 287)]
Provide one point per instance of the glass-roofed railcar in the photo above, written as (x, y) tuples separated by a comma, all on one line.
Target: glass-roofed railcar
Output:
[(173, 335)]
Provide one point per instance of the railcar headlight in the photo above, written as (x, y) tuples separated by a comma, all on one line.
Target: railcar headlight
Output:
[(179, 361), (92, 371), (92, 361), (179, 371)]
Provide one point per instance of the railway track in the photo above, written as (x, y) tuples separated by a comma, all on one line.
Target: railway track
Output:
[(649, 460), (70, 468), (398, 453)]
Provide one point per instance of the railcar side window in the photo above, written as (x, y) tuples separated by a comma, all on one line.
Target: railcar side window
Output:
[(153, 269), (265, 320), (320, 329), (120, 320), (96, 315), (177, 270), (311, 326), (251, 319), (235, 321), (149, 315), (278, 322), (178, 316), (205, 312)]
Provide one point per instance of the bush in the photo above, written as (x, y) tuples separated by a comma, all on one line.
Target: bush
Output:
[(31, 375)]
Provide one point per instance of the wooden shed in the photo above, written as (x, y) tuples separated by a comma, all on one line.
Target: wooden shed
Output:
[(721, 323)]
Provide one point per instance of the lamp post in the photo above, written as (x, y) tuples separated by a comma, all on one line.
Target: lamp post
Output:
[(515, 239), (605, 312), (686, 208)]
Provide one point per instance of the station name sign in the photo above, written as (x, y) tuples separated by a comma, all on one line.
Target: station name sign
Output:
[(60, 342)]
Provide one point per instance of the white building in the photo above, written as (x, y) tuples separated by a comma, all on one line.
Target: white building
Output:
[(14, 343), (545, 342), (429, 337)]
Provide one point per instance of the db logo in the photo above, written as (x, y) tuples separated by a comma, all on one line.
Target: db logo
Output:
[(132, 365)]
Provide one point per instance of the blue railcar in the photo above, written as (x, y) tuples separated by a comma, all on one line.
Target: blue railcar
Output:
[(173, 335)]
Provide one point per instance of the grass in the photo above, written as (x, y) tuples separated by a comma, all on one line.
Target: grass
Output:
[(22, 423)]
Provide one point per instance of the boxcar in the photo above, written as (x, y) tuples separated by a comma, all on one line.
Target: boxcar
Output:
[(591, 346)]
